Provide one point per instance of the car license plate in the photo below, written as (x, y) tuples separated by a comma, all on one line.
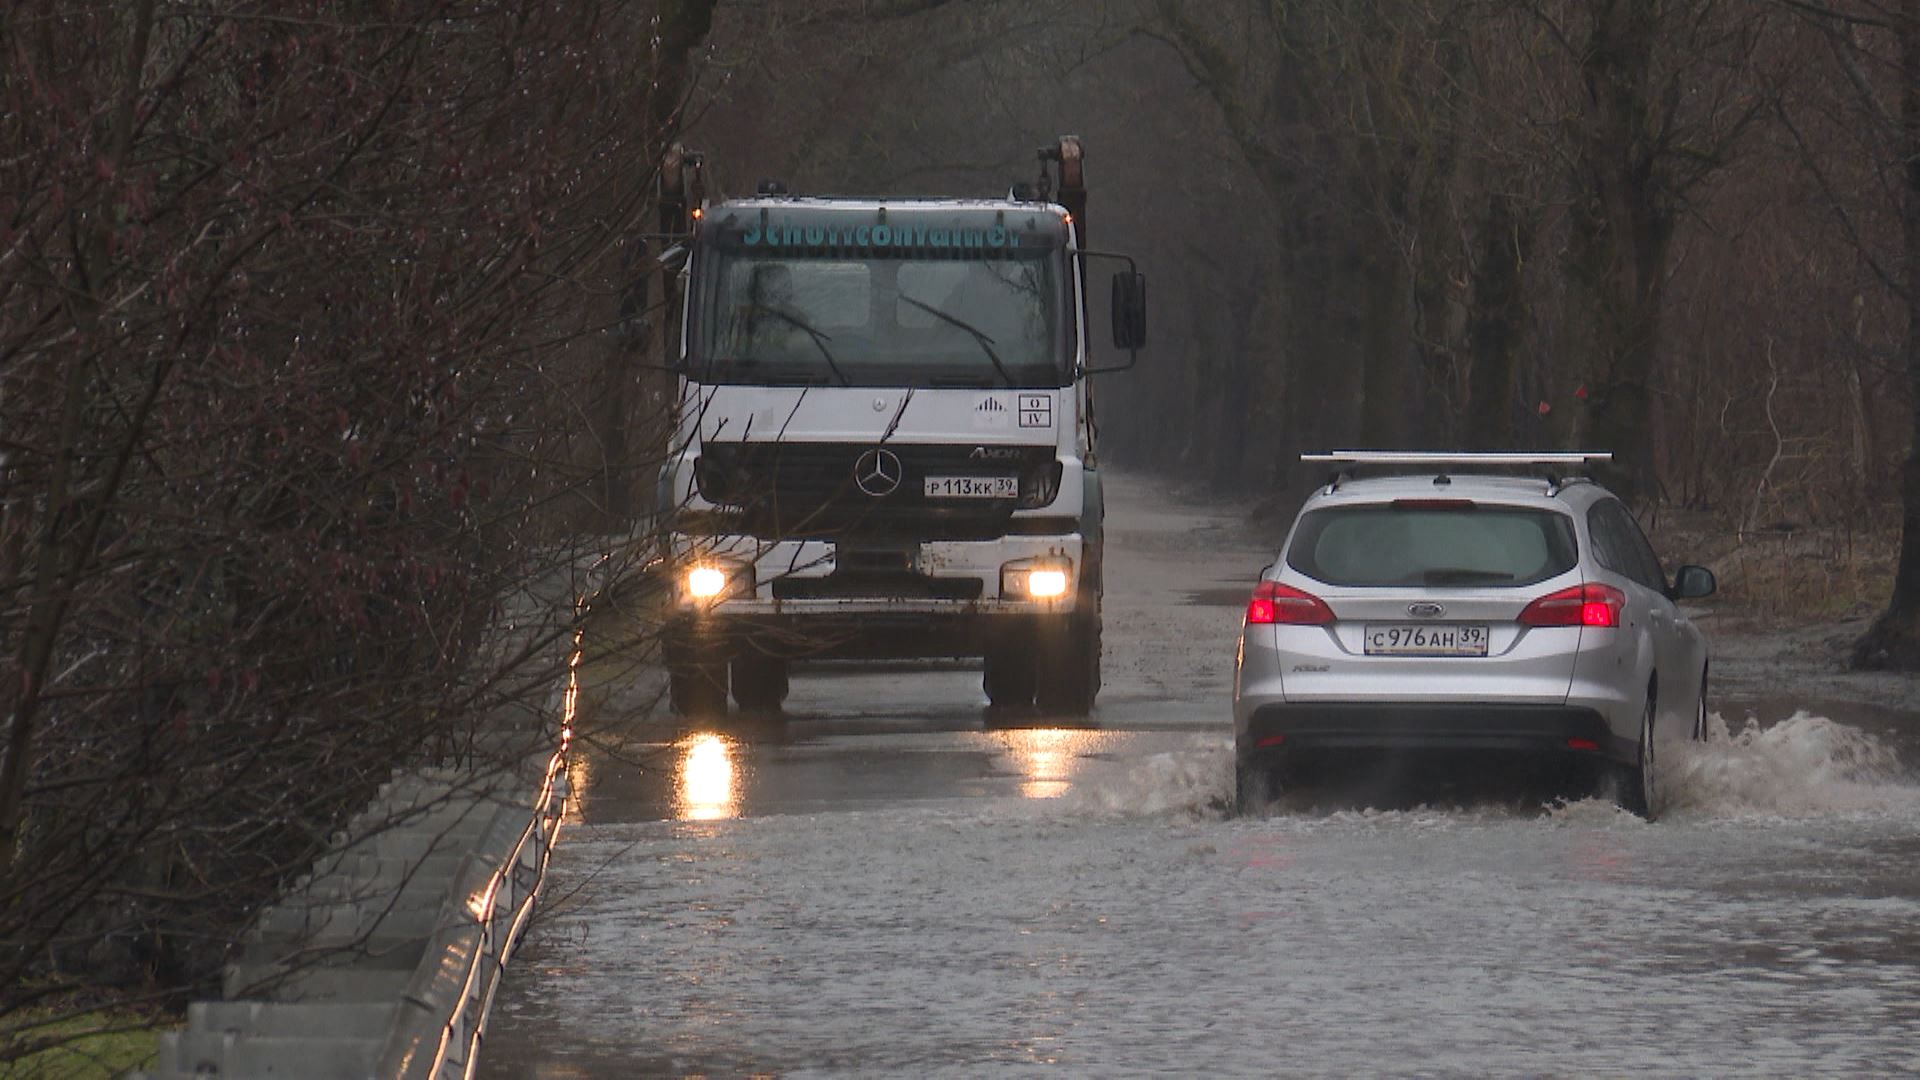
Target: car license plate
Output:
[(973, 487), (1444, 639)]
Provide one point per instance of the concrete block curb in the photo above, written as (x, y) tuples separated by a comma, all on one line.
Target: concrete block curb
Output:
[(383, 960)]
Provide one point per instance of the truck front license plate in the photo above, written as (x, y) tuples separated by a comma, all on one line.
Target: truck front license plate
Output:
[(1426, 640), (973, 487)]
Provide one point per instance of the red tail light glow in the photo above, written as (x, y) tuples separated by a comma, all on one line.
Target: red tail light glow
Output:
[(1591, 604), (1582, 744), (1283, 604)]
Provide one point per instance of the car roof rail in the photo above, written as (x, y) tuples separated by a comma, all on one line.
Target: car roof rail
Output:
[(1550, 465)]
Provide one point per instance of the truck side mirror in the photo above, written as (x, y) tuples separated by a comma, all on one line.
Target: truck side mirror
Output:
[(1129, 304), (1129, 309)]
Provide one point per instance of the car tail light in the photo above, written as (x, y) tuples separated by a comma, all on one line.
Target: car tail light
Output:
[(1591, 604), (1583, 744), (1276, 603)]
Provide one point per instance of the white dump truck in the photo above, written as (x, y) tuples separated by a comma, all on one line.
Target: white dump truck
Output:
[(885, 439)]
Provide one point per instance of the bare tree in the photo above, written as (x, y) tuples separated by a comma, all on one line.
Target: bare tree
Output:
[(297, 322), (1873, 52)]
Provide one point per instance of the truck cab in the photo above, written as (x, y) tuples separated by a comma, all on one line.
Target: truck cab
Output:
[(885, 444)]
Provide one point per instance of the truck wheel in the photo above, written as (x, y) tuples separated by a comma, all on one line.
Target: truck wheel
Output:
[(1069, 677), (696, 686), (698, 689), (760, 682), (1009, 676)]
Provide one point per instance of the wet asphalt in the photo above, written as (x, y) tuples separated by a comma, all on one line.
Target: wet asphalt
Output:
[(889, 879)]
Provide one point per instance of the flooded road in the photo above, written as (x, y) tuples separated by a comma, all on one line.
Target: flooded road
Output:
[(888, 881)]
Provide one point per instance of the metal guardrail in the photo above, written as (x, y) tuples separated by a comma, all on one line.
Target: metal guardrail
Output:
[(440, 870), (384, 961), (288, 1015), (498, 895)]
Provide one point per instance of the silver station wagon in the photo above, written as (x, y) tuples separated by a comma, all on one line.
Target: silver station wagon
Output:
[(1468, 603)]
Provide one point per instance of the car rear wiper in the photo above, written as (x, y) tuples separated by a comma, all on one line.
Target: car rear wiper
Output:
[(979, 335), (1462, 576), (820, 338)]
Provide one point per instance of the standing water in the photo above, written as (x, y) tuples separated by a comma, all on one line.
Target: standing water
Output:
[(1099, 912), (886, 882)]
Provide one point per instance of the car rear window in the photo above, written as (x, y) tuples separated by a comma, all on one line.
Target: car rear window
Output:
[(1465, 546)]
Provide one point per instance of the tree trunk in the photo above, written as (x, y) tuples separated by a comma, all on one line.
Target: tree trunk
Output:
[(1621, 235), (1497, 327), (1389, 375), (681, 26), (1893, 642)]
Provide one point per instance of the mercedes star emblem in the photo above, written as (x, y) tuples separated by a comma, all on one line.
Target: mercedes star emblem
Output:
[(878, 472)]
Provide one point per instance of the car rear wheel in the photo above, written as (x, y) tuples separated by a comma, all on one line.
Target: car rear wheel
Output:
[(1252, 787), (1637, 782), (760, 682)]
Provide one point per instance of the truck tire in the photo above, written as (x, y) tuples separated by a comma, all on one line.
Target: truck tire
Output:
[(760, 681), (1009, 676), (698, 689), (1069, 675), (695, 686)]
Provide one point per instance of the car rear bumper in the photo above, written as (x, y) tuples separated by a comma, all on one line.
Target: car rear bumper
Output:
[(1285, 730)]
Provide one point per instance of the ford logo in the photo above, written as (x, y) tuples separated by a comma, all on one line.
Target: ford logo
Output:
[(1426, 610)]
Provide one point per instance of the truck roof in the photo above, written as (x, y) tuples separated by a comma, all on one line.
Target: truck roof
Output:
[(784, 223), (870, 204)]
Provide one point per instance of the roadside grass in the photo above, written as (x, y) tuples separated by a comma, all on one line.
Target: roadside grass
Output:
[(94, 1046), (1786, 575)]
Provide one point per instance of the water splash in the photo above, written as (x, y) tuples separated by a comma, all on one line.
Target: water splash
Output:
[(1803, 765), (1196, 782)]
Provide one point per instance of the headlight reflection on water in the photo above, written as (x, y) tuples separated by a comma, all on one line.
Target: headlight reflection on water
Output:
[(1045, 759), (708, 786)]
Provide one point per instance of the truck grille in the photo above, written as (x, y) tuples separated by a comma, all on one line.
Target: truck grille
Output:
[(809, 490)]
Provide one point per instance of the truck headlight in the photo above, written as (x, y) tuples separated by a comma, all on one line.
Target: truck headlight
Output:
[(706, 582), (1036, 579), (716, 579), (1046, 584)]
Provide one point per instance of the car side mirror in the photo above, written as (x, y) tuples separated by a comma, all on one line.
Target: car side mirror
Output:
[(1693, 582), (1129, 309)]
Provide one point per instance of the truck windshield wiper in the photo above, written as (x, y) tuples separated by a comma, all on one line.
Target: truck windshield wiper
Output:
[(820, 338), (979, 335), (781, 376)]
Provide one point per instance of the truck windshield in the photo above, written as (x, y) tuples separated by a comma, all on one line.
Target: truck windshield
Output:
[(867, 318)]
